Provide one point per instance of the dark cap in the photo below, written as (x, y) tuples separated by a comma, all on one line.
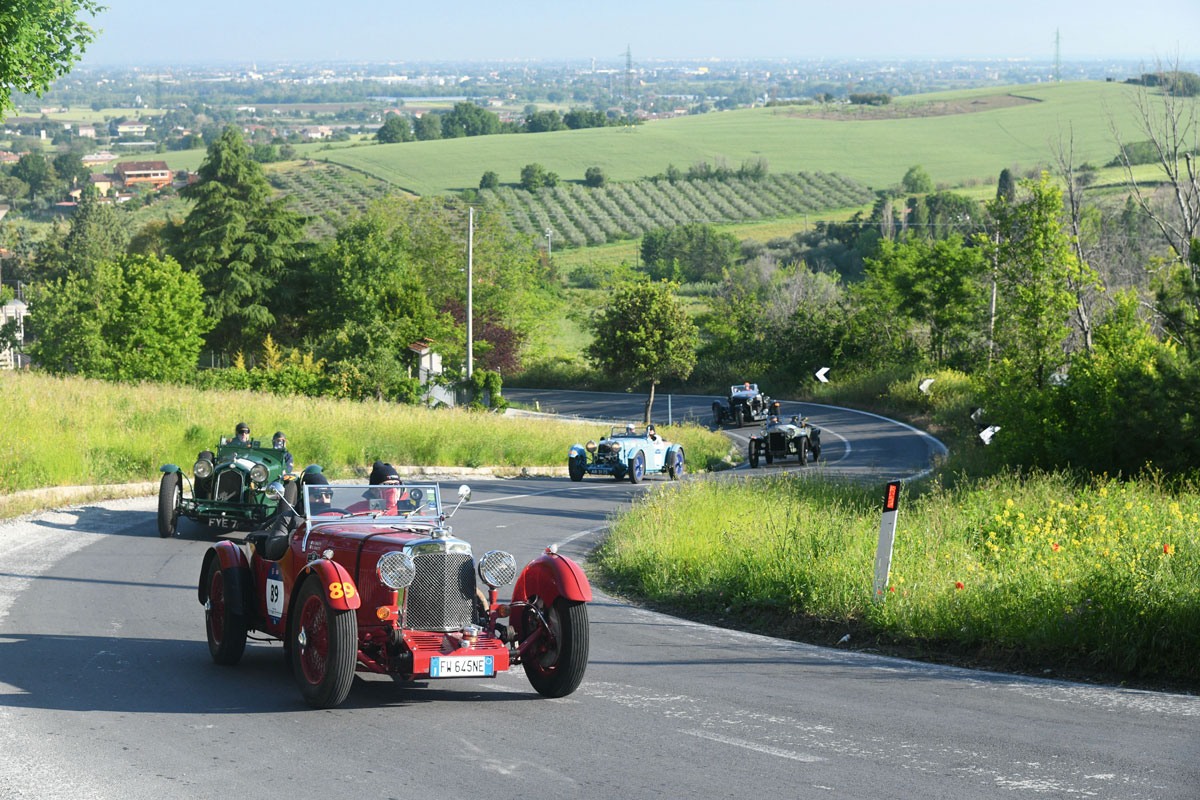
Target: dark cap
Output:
[(278, 435), (241, 426), (315, 479), (381, 472)]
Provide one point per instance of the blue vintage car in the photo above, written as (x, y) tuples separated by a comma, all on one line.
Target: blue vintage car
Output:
[(627, 452)]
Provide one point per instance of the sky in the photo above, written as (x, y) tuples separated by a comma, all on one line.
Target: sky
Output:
[(177, 32)]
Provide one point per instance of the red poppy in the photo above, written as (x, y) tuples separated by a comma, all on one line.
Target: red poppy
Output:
[(1054, 546), (959, 585), (891, 588)]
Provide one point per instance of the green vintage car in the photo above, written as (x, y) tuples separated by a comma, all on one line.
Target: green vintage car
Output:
[(229, 488)]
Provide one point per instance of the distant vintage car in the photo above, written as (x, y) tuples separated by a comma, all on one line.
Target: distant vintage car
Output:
[(745, 404), (779, 440), (627, 452), (228, 488), (371, 579)]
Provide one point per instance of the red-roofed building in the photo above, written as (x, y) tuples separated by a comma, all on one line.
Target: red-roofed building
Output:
[(132, 173)]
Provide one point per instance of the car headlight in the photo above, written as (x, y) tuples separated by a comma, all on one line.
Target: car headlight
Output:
[(615, 446), (590, 446), (497, 568), (396, 569), (202, 468), (258, 473)]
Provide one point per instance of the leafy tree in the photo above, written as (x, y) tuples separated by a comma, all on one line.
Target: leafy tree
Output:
[(594, 177), (237, 240), (702, 252), (37, 173), (428, 127), (917, 180), (468, 119), (533, 177), (1006, 186), (490, 180), (644, 335), (12, 188), (542, 121), (287, 152), (69, 167), (39, 41), (97, 233), (395, 129), (135, 318)]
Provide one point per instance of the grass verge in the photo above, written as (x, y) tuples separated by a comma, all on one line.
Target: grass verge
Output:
[(1039, 574), (73, 431)]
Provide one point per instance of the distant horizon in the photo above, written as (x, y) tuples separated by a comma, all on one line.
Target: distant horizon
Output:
[(156, 32)]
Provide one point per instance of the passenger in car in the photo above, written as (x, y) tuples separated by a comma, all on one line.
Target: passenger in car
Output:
[(279, 442)]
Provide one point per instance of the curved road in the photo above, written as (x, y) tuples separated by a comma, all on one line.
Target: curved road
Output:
[(107, 690)]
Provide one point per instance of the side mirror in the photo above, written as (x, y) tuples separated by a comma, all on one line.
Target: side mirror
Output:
[(464, 493), (274, 490)]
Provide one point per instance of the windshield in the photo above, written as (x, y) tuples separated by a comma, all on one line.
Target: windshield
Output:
[(619, 431), (743, 387), (412, 502)]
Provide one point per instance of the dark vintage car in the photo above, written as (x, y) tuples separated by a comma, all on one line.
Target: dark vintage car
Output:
[(627, 452), (372, 579), (745, 404), (780, 440), (228, 487)]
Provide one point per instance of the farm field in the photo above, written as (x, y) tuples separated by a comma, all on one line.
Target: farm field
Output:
[(953, 148)]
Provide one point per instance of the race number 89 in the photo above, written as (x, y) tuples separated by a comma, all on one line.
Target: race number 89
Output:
[(339, 590)]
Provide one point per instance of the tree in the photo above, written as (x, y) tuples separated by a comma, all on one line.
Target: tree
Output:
[(542, 121), (97, 233), (644, 335), (1006, 186), (594, 177), (468, 119), (12, 188), (135, 318), (237, 240), (533, 177), (69, 167), (37, 173), (395, 129), (39, 41), (490, 180), (701, 251), (287, 152), (428, 127), (917, 180)]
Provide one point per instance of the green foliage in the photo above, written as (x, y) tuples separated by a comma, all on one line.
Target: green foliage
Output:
[(97, 232), (41, 40), (487, 384), (37, 173), (643, 335), (917, 180), (489, 180), (135, 318), (395, 128), (534, 176), (542, 121), (428, 127), (237, 240), (870, 99), (701, 252), (594, 177), (468, 119), (1177, 295)]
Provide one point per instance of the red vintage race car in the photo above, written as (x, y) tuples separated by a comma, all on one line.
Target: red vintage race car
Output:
[(370, 578)]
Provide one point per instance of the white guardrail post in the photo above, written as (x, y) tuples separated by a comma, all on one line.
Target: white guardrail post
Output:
[(887, 535), (668, 409)]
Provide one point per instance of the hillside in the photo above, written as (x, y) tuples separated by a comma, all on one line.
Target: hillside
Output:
[(953, 147)]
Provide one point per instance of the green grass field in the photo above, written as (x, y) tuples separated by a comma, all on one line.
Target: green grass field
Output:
[(953, 148)]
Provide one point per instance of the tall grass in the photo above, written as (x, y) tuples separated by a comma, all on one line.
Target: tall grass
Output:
[(72, 431), (1035, 572)]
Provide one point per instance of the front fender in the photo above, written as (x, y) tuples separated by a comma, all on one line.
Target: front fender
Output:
[(169, 468), (332, 574), (577, 451), (233, 565), (551, 576)]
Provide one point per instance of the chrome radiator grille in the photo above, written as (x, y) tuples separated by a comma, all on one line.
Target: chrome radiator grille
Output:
[(442, 594), (778, 441), (229, 486)]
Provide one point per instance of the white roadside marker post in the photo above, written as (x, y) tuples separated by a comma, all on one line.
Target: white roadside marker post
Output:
[(924, 385), (887, 535), (821, 374), (987, 433)]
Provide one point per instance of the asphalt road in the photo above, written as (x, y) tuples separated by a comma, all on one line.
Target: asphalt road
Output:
[(107, 690)]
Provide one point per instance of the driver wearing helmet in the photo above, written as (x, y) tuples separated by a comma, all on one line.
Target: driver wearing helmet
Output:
[(629, 429), (279, 442), (241, 434)]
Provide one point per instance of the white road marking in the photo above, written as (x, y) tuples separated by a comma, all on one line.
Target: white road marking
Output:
[(755, 746), (575, 536)]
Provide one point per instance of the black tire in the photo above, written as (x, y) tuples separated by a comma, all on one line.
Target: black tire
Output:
[(737, 417), (637, 468), (816, 453), (557, 669), (675, 464), (226, 630), (768, 456), (802, 451), (717, 415), (324, 662), (291, 494), (575, 468), (170, 496), (753, 455)]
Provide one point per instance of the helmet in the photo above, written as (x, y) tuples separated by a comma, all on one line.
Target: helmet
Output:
[(629, 427), (242, 428), (279, 441)]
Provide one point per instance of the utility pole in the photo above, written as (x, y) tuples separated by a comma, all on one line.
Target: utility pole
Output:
[(1057, 57), (470, 289), (549, 233)]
